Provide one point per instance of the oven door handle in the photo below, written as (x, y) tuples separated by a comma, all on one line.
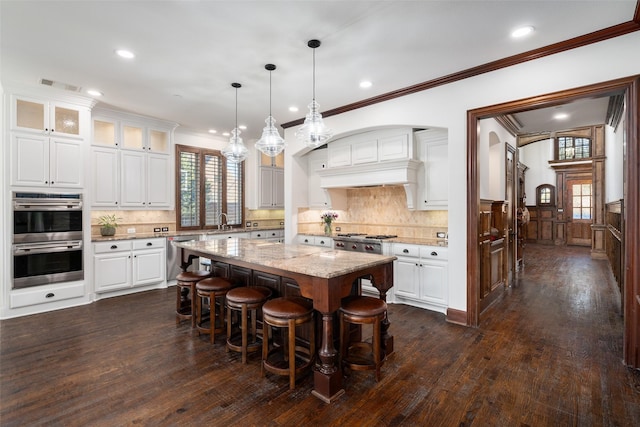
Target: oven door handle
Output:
[(41, 248), (74, 205)]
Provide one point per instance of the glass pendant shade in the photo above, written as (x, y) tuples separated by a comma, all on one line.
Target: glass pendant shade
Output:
[(235, 151), (270, 143), (314, 132)]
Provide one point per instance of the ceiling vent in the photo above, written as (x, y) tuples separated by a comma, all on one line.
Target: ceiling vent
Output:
[(58, 85)]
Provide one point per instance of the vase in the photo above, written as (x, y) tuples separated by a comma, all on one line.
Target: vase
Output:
[(327, 229), (107, 231)]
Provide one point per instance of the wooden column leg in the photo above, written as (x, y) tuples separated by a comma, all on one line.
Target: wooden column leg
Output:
[(327, 377)]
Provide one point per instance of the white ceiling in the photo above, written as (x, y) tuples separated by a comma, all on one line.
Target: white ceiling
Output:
[(189, 52)]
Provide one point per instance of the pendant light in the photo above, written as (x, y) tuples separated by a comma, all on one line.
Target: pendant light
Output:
[(270, 143), (313, 132), (235, 151)]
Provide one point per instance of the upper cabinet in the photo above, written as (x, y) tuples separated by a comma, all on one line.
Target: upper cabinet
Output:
[(433, 174), (132, 162), (318, 197), (47, 140), (270, 182), (371, 147)]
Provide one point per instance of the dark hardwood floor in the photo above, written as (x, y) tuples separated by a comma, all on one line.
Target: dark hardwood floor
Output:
[(548, 354)]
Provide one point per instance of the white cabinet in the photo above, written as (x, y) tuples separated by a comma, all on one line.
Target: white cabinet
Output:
[(318, 197), (371, 147), (44, 161), (272, 235), (271, 188), (132, 162), (126, 264), (305, 239), (48, 117), (421, 276), (433, 175)]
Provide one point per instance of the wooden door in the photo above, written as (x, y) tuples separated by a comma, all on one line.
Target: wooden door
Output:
[(510, 198), (579, 211)]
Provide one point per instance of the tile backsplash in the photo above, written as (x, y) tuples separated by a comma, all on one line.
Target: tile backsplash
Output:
[(377, 210)]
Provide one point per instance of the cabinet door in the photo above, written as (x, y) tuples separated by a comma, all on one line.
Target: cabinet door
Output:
[(278, 188), (158, 141), (149, 266), (132, 179), (30, 160), (434, 175), (365, 152), (159, 181), (66, 163), (394, 147), (65, 120), (406, 279), (29, 114), (104, 169), (266, 187), (132, 137), (339, 155), (105, 132), (317, 197), (433, 281), (112, 271)]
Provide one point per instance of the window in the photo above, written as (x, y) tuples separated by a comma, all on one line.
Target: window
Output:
[(581, 201), (208, 187), (572, 148), (546, 195)]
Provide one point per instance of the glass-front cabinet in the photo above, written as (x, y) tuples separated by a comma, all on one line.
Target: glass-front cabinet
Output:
[(46, 117)]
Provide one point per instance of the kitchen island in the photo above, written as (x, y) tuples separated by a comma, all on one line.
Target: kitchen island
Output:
[(323, 275)]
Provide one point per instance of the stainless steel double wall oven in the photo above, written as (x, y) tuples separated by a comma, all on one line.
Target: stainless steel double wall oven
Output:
[(47, 238)]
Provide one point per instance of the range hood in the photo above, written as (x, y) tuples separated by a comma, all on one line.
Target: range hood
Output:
[(397, 172)]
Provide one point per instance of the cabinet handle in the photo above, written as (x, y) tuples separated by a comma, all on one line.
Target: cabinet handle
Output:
[(114, 246), (50, 295), (149, 244), (434, 253), (405, 251)]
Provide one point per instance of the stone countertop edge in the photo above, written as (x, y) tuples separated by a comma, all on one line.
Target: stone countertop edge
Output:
[(423, 241), (134, 236)]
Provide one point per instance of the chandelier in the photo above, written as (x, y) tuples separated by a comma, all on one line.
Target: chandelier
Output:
[(270, 143), (236, 151)]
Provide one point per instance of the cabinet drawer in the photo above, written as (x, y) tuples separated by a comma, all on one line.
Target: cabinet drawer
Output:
[(434, 252), (112, 246), (43, 295), (148, 244), (400, 249)]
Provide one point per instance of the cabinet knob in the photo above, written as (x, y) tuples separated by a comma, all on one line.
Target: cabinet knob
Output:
[(434, 253), (114, 246)]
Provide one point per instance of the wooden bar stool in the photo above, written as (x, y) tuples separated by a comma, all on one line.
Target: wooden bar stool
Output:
[(247, 301), (361, 356), (287, 312), (185, 295), (214, 289)]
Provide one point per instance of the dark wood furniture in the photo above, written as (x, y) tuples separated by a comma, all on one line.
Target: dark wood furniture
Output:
[(362, 355), (245, 302), (614, 242), (492, 240), (323, 275), (214, 290), (185, 292), (287, 313)]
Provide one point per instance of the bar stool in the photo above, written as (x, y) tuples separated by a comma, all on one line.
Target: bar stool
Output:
[(215, 289), (361, 310), (247, 301), (186, 286), (287, 312)]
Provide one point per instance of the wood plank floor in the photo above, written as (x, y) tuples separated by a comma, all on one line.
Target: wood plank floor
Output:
[(548, 354)]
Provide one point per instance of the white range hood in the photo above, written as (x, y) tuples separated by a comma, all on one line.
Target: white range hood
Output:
[(402, 172)]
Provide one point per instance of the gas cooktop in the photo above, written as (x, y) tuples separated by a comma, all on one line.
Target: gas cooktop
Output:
[(381, 236)]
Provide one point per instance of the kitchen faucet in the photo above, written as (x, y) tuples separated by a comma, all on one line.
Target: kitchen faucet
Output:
[(222, 226)]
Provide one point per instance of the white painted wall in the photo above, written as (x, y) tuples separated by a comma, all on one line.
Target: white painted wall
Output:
[(614, 150), (447, 106), (536, 157), (491, 155)]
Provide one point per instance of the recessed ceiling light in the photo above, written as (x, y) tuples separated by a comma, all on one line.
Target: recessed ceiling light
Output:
[(243, 127), (522, 31), (365, 84), (94, 92), (213, 131), (560, 116), (123, 53), (293, 109), (226, 134)]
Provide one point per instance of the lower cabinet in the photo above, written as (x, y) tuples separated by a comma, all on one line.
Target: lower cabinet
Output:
[(421, 276), (306, 239), (126, 264)]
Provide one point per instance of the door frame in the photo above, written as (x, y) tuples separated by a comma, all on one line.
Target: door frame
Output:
[(631, 87)]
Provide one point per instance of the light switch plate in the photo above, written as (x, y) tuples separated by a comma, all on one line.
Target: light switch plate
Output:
[(156, 229), (165, 228), (248, 224), (441, 234), (131, 230)]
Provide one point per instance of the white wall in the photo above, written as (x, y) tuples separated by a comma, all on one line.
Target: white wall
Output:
[(536, 157), (491, 159), (614, 150), (447, 106)]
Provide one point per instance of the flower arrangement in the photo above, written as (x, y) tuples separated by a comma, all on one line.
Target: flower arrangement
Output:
[(328, 217)]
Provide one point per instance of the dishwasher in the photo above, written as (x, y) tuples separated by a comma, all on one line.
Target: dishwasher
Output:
[(173, 254)]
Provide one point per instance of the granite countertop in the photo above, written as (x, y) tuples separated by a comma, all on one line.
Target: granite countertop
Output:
[(314, 261), (425, 241), (179, 233)]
